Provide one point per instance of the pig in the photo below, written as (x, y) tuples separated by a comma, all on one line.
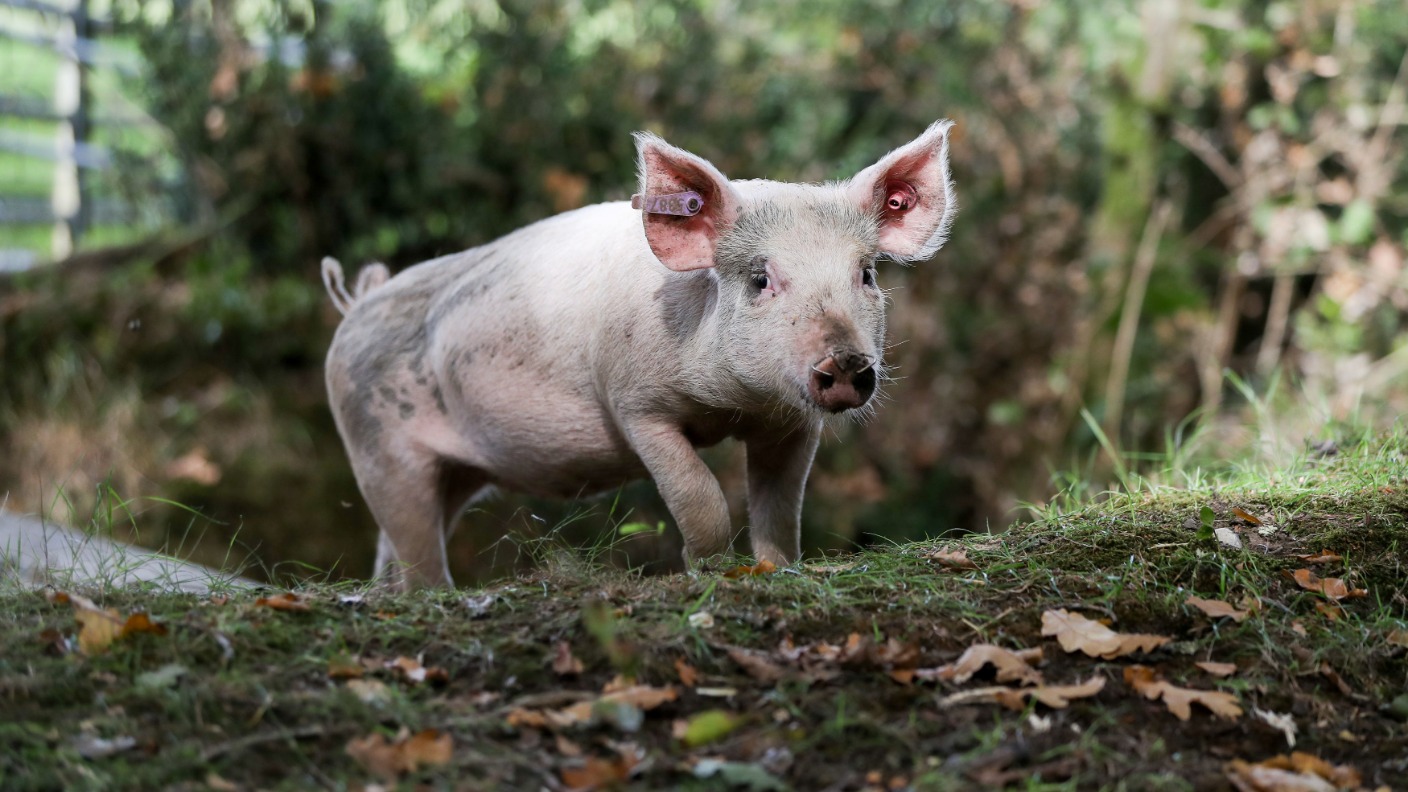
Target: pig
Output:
[(610, 342)]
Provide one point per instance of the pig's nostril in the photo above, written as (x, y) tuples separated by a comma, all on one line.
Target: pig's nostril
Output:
[(864, 381), (824, 379)]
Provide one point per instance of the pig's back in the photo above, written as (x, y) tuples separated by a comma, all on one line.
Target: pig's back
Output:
[(524, 338)]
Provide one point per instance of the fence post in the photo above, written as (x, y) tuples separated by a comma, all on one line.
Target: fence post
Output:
[(71, 100)]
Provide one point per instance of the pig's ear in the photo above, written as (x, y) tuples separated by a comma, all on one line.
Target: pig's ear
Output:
[(683, 242), (910, 192)]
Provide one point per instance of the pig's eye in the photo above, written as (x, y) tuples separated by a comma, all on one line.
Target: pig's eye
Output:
[(760, 281), (867, 277)]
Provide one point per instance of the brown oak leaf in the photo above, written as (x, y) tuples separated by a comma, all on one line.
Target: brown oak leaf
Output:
[(689, 676), (1334, 588), (99, 627), (287, 601), (1079, 634), (1054, 696), (764, 567), (1299, 772), (1217, 669), (388, 759), (758, 665), (594, 772), (1180, 700), (951, 559), (1011, 666), (1217, 608)]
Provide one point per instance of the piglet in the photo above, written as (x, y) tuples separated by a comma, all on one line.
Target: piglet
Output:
[(611, 342)]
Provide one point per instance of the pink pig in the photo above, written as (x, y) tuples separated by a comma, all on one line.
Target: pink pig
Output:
[(609, 343)]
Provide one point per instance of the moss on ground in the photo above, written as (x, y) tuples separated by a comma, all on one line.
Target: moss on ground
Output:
[(239, 693)]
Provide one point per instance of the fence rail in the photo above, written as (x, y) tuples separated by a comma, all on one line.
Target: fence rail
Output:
[(22, 210)]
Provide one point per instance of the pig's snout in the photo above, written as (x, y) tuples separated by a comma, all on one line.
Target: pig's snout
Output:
[(843, 381)]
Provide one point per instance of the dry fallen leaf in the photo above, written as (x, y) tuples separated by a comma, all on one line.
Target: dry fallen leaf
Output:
[(1246, 516), (1322, 557), (689, 676), (412, 671), (758, 665), (1330, 610), (1217, 608), (1398, 637), (1079, 634), (596, 772), (99, 627), (389, 759), (1217, 669), (618, 683), (1058, 696), (636, 698), (1334, 588), (1011, 666), (563, 662), (1054, 696), (642, 696), (566, 747), (1180, 700), (1299, 772), (764, 567), (952, 559), (520, 718), (1328, 671), (287, 601)]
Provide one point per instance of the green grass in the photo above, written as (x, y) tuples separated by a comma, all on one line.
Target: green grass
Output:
[(253, 704)]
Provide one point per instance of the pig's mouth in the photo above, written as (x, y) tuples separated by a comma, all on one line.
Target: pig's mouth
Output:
[(843, 380)]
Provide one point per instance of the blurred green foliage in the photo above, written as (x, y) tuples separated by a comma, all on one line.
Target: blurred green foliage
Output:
[(1267, 133)]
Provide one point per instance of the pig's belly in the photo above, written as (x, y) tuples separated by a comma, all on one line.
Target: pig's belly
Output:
[(548, 444)]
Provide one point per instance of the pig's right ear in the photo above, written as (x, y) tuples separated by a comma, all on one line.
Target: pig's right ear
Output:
[(683, 242)]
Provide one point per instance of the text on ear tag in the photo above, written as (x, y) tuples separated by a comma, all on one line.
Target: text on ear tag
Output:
[(684, 204)]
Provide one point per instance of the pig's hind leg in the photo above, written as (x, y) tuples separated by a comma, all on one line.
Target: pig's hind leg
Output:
[(415, 496)]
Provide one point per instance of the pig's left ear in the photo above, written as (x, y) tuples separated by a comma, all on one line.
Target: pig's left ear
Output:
[(686, 204), (910, 192)]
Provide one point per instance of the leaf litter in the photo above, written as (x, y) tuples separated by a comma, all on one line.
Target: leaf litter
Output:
[(733, 738)]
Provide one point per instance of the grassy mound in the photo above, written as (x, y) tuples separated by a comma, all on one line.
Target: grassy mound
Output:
[(839, 673)]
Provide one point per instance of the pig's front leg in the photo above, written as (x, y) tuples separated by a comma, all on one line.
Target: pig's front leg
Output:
[(777, 475), (687, 485)]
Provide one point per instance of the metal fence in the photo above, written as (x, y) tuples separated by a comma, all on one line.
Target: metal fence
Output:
[(53, 159)]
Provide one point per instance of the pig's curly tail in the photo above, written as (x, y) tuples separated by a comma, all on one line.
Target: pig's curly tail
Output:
[(370, 277)]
